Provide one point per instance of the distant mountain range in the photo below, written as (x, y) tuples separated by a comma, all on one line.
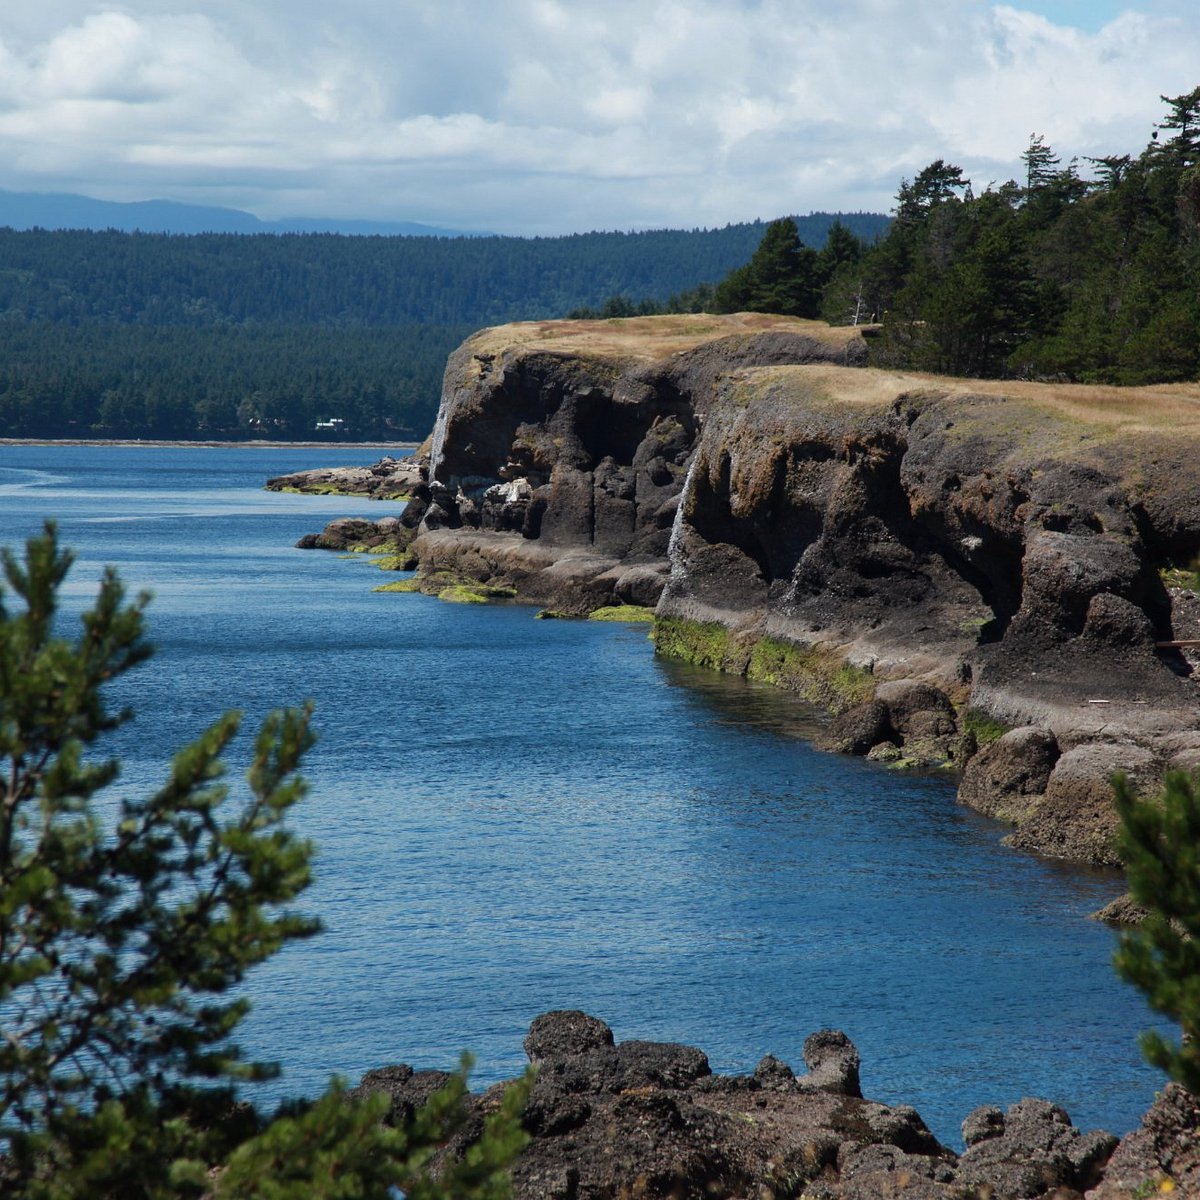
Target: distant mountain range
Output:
[(65, 210)]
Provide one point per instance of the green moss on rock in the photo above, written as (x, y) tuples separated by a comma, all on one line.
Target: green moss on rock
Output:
[(622, 612), (399, 585), (459, 594), (983, 728), (1181, 577), (475, 593), (705, 643), (820, 675)]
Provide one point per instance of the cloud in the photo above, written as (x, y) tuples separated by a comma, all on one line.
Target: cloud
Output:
[(543, 116)]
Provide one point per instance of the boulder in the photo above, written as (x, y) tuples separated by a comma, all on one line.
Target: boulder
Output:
[(1077, 819), (1161, 1156), (832, 1063), (565, 1033), (917, 710), (981, 1124), (1034, 1151), (858, 730), (1005, 779), (407, 1089), (1124, 910)]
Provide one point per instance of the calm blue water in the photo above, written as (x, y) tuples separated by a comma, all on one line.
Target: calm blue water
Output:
[(516, 815)]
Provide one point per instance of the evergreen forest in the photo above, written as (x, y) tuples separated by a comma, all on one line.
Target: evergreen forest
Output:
[(234, 336), (1079, 272)]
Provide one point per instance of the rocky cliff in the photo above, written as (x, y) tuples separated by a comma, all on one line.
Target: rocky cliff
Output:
[(561, 448), (968, 573), (993, 577)]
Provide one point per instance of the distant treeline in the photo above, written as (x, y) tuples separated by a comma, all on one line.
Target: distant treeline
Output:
[(220, 381), (234, 336)]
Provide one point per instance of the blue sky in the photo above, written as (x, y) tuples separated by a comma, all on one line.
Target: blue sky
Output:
[(1090, 15), (552, 116)]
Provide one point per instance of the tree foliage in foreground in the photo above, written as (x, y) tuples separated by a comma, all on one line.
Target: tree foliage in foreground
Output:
[(1160, 844), (125, 928)]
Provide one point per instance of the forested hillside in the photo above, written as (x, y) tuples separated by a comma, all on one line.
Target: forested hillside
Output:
[(232, 336)]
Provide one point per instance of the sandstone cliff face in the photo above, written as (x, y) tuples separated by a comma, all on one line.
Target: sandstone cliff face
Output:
[(561, 448), (997, 545), (967, 574)]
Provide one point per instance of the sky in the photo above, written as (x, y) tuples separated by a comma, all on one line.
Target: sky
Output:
[(542, 117)]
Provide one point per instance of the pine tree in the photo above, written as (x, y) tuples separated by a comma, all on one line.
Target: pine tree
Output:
[(1160, 844), (1041, 163), (934, 185), (841, 249), (124, 927), (779, 278), (1184, 119)]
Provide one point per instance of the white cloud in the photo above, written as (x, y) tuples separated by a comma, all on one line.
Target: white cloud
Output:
[(552, 115)]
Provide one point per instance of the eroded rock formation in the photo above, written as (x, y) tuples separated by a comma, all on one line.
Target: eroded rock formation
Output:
[(973, 559), (561, 448)]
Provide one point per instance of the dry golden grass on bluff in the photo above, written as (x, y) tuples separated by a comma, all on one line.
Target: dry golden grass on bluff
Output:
[(1102, 409), (1161, 408), (648, 338)]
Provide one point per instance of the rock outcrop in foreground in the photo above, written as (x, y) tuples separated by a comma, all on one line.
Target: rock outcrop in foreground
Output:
[(650, 1119), (994, 577)]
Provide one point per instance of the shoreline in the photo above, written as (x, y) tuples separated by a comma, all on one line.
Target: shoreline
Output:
[(167, 443)]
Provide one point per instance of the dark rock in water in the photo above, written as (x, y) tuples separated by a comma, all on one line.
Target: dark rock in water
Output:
[(648, 1119), (859, 729), (387, 536), (916, 710), (1124, 910), (916, 718)]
